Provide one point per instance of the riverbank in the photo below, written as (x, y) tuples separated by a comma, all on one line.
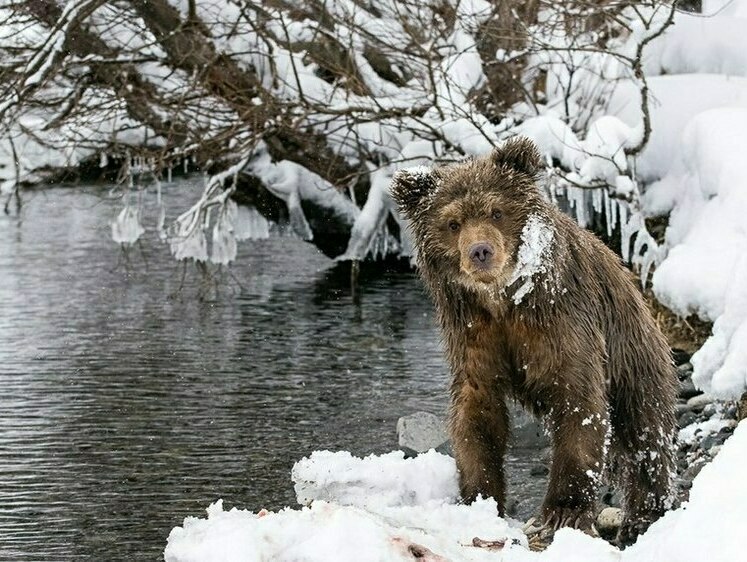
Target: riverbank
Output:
[(391, 508)]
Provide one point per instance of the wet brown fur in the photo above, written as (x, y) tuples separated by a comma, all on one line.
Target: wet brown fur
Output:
[(581, 350)]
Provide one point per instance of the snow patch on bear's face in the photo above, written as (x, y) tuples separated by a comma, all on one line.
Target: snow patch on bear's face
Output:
[(533, 257)]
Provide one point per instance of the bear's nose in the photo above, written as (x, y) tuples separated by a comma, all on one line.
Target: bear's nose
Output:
[(480, 254)]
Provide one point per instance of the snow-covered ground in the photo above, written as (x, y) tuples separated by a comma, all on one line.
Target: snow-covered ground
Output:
[(390, 508)]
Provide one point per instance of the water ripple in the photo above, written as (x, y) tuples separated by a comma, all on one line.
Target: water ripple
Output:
[(123, 410)]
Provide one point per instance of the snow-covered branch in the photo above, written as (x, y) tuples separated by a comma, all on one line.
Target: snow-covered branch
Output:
[(329, 97)]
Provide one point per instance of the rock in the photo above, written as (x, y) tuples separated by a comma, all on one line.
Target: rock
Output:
[(526, 430), (610, 497), (713, 451), (539, 470), (708, 441), (724, 433), (731, 412), (697, 403), (684, 371), (686, 419), (693, 470), (420, 432), (609, 520), (512, 508), (680, 408), (687, 389), (680, 356), (710, 410)]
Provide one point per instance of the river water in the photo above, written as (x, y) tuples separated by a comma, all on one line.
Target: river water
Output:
[(127, 404)]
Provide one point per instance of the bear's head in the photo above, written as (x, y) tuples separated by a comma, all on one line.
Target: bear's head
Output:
[(467, 218)]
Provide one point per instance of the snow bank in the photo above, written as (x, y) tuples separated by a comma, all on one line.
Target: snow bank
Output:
[(386, 480), (378, 508), (705, 271), (569, 545), (327, 532), (720, 48), (671, 111), (711, 525), (416, 515)]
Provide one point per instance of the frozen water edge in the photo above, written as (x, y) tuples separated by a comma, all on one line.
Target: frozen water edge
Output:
[(407, 509)]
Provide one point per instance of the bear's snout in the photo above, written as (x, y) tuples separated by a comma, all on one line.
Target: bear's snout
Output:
[(481, 254)]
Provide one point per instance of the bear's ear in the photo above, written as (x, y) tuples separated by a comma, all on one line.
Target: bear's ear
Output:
[(519, 153), (410, 186)]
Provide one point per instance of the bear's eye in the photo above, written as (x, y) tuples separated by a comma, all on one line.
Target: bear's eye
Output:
[(496, 214), (453, 226)]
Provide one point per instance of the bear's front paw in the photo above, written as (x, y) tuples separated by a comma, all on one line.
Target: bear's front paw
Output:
[(577, 518), (630, 530)]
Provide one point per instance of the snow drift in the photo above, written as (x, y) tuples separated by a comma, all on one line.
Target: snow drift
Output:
[(386, 508)]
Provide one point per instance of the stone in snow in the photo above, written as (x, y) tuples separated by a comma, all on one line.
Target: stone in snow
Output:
[(420, 432), (609, 519)]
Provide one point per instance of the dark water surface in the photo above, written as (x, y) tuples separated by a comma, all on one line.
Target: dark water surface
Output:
[(123, 409)]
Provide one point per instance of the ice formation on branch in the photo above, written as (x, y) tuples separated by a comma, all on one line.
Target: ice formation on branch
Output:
[(126, 228), (224, 238)]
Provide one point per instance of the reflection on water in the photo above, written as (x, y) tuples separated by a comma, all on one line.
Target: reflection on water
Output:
[(124, 410)]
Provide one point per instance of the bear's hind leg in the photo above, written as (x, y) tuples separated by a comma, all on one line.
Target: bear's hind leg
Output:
[(644, 455), (579, 428)]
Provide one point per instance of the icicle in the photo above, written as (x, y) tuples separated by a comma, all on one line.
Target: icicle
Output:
[(185, 163), (553, 190), (628, 227), (298, 221), (206, 221), (651, 256), (189, 240), (224, 240), (579, 204), (168, 174), (596, 200), (130, 181), (647, 260), (160, 228), (570, 195), (103, 160), (126, 228), (608, 212), (250, 225)]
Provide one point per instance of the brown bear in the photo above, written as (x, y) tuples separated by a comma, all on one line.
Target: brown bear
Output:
[(536, 309)]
